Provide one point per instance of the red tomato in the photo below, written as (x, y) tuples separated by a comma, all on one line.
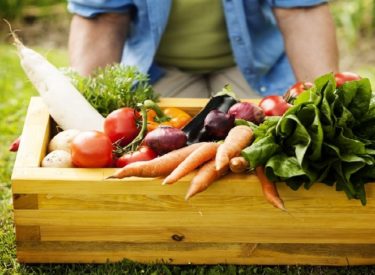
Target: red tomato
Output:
[(144, 153), (15, 145), (297, 89), (274, 105), (91, 149), (121, 125), (344, 77)]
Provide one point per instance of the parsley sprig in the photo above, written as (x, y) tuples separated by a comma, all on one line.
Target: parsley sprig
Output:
[(114, 87)]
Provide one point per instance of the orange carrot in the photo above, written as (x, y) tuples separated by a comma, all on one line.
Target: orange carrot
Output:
[(195, 159), (157, 167), (269, 189), (237, 139), (206, 175), (238, 164)]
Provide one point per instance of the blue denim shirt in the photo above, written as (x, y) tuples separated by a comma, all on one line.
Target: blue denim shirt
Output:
[(256, 41)]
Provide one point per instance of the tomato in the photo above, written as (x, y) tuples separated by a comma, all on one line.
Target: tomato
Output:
[(274, 105), (121, 125), (144, 153), (15, 145), (296, 90), (344, 77), (91, 149)]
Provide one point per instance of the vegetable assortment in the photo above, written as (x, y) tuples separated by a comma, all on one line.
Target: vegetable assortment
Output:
[(321, 132)]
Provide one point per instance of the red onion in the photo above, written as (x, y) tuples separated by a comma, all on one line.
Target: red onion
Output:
[(165, 139)]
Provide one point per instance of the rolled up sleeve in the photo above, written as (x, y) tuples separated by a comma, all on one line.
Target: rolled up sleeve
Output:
[(294, 3), (90, 8)]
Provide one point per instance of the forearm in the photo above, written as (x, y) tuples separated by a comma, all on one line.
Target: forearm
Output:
[(97, 42), (310, 40)]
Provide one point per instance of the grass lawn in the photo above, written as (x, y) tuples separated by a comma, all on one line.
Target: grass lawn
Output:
[(15, 91)]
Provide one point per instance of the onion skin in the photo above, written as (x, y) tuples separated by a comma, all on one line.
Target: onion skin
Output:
[(165, 139), (247, 111), (217, 124)]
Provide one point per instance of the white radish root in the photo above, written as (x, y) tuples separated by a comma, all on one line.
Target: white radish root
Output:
[(65, 103)]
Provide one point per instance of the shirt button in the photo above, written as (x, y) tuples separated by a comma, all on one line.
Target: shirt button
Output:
[(263, 89)]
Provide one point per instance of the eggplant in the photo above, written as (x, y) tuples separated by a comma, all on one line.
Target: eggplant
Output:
[(195, 130)]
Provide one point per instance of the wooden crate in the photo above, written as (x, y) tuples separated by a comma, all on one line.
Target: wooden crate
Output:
[(75, 215)]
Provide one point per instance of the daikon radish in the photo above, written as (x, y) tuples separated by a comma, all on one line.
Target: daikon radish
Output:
[(66, 105)]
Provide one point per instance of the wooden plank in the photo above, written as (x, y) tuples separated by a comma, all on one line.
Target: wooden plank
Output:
[(25, 201), (92, 181), (35, 135), (271, 218), (28, 233), (140, 202), (192, 253), (207, 234), (191, 105)]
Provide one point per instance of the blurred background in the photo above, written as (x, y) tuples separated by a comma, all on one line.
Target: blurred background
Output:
[(45, 24)]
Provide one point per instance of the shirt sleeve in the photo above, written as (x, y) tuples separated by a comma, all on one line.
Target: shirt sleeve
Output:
[(294, 3), (90, 8)]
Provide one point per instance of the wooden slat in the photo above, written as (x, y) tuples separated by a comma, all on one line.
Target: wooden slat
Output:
[(25, 201), (208, 234), (167, 202), (27, 233), (271, 218), (191, 105), (92, 181), (35, 135), (192, 253)]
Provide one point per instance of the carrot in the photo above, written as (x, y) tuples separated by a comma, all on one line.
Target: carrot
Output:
[(195, 159), (238, 164), (157, 167), (237, 139), (64, 102), (206, 175), (269, 189)]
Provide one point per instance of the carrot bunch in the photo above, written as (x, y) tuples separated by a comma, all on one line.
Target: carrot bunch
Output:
[(213, 160)]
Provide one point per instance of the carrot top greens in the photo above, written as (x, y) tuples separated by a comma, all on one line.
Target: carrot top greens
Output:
[(113, 87), (327, 136)]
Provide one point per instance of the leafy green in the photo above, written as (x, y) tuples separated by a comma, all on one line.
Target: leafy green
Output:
[(326, 136), (113, 87)]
